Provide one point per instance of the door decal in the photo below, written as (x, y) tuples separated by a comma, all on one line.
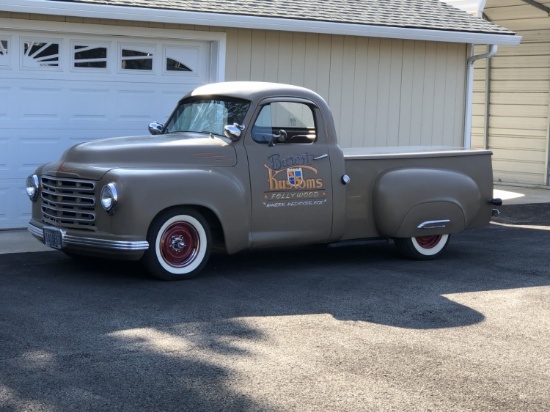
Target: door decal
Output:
[(293, 182)]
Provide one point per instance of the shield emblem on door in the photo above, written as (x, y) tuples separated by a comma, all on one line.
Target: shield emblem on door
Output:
[(295, 176)]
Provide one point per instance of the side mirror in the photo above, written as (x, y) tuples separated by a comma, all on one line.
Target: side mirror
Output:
[(155, 128), (233, 131)]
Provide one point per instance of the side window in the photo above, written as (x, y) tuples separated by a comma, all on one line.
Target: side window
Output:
[(285, 122)]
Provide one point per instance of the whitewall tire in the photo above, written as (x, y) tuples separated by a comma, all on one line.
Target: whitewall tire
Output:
[(179, 244), (422, 247)]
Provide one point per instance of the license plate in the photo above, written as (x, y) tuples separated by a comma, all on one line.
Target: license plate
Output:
[(53, 238)]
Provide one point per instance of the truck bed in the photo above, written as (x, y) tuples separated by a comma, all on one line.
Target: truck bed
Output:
[(365, 166)]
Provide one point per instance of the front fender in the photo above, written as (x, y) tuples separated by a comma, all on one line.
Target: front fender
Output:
[(422, 201), (143, 194)]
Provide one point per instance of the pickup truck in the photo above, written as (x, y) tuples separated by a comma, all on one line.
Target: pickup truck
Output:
[(241, 165)]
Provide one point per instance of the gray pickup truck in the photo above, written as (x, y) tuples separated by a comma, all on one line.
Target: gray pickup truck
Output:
[(242, 165)]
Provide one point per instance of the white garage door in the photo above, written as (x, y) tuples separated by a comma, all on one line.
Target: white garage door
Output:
[(59, 90)]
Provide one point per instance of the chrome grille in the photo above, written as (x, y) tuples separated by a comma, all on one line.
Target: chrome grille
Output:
[(68, 202)]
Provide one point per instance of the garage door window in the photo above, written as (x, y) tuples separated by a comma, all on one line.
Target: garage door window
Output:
[(172, 65), (183, 58), (90, 56), (40, 54), (136, 59), (4, 52)]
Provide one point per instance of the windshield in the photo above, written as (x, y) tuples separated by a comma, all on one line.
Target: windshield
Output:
[(207, 115)]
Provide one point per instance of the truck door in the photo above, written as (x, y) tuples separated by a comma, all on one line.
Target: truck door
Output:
[(290, 174)]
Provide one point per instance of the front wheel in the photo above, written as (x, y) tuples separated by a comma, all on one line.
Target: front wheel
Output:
[(179, 244), (422, 247)]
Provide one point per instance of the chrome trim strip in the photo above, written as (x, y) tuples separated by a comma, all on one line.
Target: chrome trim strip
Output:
[(37, 232), (434, 224), (106, 244), (71, 240)]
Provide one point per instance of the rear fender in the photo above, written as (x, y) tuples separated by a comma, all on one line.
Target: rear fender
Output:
[(412, 202)]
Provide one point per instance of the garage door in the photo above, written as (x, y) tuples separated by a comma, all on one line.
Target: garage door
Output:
[(56, 91)]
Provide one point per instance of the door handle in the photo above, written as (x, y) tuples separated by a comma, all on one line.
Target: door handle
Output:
[(323, 156)]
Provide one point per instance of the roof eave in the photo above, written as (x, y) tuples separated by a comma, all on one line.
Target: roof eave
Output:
[(251, 22)]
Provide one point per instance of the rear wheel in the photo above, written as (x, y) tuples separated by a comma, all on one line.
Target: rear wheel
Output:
[(422, 247), (179, 244)]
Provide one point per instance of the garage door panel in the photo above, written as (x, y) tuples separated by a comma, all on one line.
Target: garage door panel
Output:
[(4, 167), (5, 95), (15, 207), (4, 202), (40, 103), (135, 104), (26, 150), (88, 103), (55, 102)]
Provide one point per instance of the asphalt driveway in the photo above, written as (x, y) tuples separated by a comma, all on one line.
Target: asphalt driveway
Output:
[(301, 329)]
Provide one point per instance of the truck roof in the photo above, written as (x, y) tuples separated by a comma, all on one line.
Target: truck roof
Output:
[(255, 91)]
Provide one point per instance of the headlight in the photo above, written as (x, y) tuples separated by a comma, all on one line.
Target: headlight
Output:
[(109, 197), (33, 185)]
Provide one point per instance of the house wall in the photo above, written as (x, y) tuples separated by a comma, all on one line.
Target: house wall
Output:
[(519, 97), (382, 92)]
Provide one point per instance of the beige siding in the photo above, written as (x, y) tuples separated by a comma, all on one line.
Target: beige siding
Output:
[(520, 85), (382, 92)]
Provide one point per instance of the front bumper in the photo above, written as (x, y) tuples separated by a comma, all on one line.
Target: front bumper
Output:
[(71, 241)]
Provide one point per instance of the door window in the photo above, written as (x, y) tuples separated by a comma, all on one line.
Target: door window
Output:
[(285, 122)]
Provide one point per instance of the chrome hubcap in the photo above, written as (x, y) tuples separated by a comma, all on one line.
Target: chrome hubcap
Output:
[(177, 244)]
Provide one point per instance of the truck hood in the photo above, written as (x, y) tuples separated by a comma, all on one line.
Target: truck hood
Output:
[(92, 160)]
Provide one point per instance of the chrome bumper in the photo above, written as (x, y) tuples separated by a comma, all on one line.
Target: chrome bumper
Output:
[(71, 240)]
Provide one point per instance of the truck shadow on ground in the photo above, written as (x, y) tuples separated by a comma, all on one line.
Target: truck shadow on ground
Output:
[(361, 283)]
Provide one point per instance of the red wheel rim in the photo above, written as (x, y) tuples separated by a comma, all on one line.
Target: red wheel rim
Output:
[(179, 244), (428, 242)]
